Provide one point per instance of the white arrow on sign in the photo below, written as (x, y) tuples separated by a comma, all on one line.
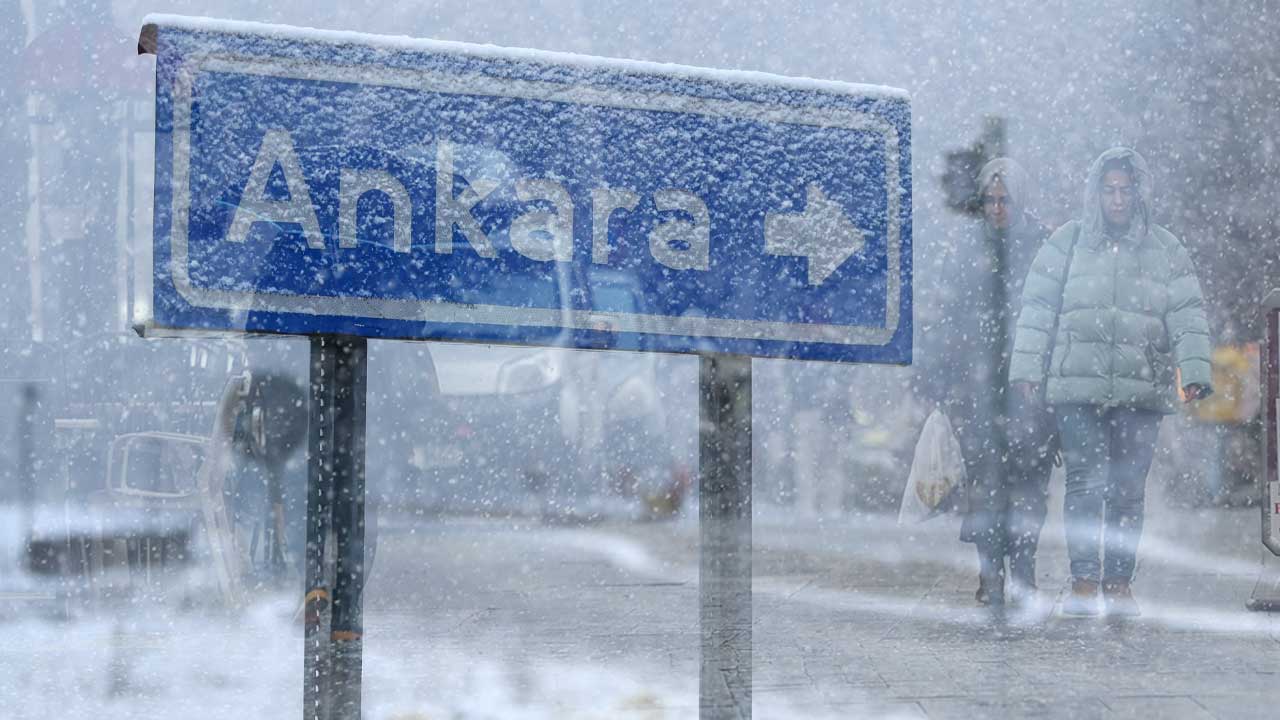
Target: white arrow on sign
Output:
[(822, 233)]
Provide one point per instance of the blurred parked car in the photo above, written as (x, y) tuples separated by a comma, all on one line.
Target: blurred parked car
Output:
[(132, 497), (497, 429)]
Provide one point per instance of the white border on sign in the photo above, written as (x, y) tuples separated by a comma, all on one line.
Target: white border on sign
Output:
[(454, 313)]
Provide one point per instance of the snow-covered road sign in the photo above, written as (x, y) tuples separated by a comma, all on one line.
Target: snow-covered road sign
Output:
[(318, 182)]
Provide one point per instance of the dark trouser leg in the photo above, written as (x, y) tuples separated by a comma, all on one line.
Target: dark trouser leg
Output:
[(985, 527), (1133, 440), (1085, 446), (991, 570), (984, 521), (1028, 504)]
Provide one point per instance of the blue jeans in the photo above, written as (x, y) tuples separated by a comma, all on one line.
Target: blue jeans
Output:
[(1107, 452)]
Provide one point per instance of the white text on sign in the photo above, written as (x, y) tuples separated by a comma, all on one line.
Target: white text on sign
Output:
[(822, 233), (538, 234)]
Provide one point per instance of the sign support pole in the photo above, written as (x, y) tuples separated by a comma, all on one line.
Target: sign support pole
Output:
[(724, 493), (332, 660)]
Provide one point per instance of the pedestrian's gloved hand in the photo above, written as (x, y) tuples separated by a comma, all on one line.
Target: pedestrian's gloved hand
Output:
[(1196, 391), (1057, 458)]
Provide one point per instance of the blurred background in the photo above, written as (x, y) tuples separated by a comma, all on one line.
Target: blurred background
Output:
[(102, 433)]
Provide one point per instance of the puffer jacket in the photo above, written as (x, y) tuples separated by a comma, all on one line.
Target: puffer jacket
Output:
[(1105, 320)]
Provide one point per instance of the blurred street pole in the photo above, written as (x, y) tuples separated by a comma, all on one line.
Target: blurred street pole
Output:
[(994, 146), (960, 174), (27, 460), (960, 184)]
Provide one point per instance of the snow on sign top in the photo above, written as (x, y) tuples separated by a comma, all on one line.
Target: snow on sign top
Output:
[(153, 21), (328, 182)]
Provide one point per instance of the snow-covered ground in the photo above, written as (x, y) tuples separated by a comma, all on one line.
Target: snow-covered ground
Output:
[(182, 656), (854, 617), (161, 663)]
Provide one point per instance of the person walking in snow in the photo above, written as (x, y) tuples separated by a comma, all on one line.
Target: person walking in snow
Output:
[(1111, 312), (1008, 445)]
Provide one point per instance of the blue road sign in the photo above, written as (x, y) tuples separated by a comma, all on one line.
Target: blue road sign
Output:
[(311, 182)]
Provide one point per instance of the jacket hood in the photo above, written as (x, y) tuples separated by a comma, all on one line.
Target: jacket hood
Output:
[(1094, 224), (1016, 183)]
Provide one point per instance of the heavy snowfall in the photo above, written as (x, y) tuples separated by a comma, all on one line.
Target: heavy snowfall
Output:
[(639, 360)]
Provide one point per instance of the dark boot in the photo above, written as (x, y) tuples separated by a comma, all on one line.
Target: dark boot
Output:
[(1082, 601), (1022, 564), (990, 578), (1117, 599), (1022, 578), (990, 591)]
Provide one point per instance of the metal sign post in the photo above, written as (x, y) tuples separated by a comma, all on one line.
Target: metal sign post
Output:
[(317, 603), (335, 570), (724, 579), (1266, 593)]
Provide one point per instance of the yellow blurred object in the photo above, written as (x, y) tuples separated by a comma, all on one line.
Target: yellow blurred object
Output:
[(1235, 387)]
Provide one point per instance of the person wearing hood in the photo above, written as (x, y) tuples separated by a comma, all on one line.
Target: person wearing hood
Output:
[(1112, 313), (1008, 458)]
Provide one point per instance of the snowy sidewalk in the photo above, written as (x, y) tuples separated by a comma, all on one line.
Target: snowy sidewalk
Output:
[(853, 617), (888, 625), (869, 619)]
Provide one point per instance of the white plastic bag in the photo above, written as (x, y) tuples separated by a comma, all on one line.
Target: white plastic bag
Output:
[(936, 470)]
